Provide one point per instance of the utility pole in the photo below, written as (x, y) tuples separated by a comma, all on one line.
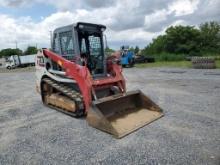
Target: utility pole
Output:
[(106, 43), (16, 44), (51, 36)]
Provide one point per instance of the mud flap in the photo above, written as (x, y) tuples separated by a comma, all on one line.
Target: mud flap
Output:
[(122, 114)]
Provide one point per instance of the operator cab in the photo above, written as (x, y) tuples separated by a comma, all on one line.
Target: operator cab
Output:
[(81, 43)]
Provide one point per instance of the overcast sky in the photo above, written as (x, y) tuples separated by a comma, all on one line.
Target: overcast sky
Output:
[(130, 22)]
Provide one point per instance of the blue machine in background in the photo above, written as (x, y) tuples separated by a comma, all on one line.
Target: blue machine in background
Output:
[(127, 57)]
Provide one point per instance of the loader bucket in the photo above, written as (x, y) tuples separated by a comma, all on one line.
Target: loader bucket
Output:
[(123, 113)]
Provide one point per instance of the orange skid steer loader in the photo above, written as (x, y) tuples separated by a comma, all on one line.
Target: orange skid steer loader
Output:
[(77, 79)]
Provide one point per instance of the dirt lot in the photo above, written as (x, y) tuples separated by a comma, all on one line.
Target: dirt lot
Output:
[(189, 133)]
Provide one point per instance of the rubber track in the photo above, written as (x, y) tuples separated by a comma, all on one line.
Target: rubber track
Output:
[(70, 93)]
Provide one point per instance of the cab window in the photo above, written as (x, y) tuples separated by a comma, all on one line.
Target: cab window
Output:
[(56, 44), (66, 43)]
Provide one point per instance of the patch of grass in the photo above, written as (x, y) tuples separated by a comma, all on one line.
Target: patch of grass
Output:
[(175, 64), (217, 64), (169, 57)]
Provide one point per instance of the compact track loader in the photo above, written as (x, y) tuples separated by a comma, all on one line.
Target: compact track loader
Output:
[(77, 79)]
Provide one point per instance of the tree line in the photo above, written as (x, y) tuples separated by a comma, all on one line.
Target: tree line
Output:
[(9, 51), (187, 40)]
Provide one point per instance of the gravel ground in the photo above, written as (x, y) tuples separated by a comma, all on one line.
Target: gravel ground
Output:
[(189, 133), (24, 69)]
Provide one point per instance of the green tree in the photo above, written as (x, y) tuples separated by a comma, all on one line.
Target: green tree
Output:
[(210, 37), (8, 52), (136, 50), (156, 47), (182, 40), (30, 50), (176, 40), (107, 49), (186, 40), (131, 49)]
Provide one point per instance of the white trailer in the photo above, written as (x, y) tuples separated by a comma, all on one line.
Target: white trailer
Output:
[(28, 59), (20, 61)]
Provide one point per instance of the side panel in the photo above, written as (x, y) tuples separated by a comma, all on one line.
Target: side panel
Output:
[(124, 60), (76, 72), (40, 69)]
